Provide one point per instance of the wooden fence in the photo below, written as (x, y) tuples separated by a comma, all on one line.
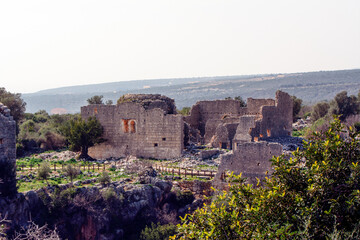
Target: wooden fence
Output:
[(185, 172), (54, 166)]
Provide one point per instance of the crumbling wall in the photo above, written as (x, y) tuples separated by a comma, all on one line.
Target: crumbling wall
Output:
[(276, 120), (130, 129), (205, 114), (254, 105), (251, 159), (7, 153), (262, 118)]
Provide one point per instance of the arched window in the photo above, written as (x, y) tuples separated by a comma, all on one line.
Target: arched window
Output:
[(132, 126)]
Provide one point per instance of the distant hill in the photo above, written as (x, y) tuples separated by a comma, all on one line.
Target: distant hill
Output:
[(309, 86)]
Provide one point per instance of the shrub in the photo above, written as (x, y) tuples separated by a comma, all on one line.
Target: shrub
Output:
[(104, 179), (184, 197), (44, 171), (71, 171), (158, 232), (314, 194)]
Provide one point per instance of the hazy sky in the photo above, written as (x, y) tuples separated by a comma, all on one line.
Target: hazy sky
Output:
[(47, 44)]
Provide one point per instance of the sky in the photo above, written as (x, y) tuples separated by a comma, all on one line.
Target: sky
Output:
[(48, 44)]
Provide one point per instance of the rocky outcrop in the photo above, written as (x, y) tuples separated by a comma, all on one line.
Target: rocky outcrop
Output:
[(118, 211)]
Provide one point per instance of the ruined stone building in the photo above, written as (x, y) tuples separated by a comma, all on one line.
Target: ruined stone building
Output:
[(7, 153), (225, 124), (148, 126), (141, 125)]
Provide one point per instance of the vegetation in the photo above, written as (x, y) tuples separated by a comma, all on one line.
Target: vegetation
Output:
[(82, 134), (320, 110), (71, 171), (344, 105), (44, 171), (14, 102), (158, 232), (104, 179), (314, 194), (238, 98), (41, 131), (297, 103), (185, 111), (96, 99)]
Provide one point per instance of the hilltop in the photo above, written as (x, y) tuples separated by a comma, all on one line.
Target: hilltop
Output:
[(309, 86)]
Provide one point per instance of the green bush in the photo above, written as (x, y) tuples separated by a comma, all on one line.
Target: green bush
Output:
[(315, 194), (158, 232), (184, 197), (104, 179)]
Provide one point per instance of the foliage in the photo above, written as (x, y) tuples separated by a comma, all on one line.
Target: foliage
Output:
[(313, 194), (158, 232), (357, 127), (320, 110), (104, 179), (83, 134), (41, 130), (109, 102), (184, 197), (238, 98), (71, 171), (44, 171), (185, 111), (96, 99), (14, 102), (297, 102), (345, 105)]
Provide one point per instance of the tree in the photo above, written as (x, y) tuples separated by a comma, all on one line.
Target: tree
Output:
[(320, 110), (82, 134), (14, 102), (97, 99), (109, 102), (71, 171), (314, 194), (297, 103), (241, 100), (44, 171), (185, 111), (345, 105)]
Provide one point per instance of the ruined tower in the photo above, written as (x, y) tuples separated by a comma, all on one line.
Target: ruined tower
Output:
[(7, 153)]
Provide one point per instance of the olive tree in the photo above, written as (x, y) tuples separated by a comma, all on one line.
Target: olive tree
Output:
[(82, 134)]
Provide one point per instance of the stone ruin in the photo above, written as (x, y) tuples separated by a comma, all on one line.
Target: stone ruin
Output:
[(141, 125), (7, 153), (148, 126)]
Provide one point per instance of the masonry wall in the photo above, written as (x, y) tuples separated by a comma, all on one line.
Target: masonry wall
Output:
[(276, 120), (7, 153), (131, 130), (251, 159), (205, 111)]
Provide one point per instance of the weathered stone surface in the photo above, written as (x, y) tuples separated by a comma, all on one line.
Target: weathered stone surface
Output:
[(224, 123), (132, 129), (206, 154), (252, 159)]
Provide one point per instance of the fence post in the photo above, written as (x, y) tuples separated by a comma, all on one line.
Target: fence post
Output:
[(179, 172), (173, 172), (192, 172), (185, 172), (104, 166), (93, 168), (198, 173)]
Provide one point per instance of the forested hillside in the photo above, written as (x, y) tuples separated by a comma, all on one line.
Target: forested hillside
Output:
[(311, 87)]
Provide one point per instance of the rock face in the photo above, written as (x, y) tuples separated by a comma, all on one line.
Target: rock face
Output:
[(7, 153), (117, 211)]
